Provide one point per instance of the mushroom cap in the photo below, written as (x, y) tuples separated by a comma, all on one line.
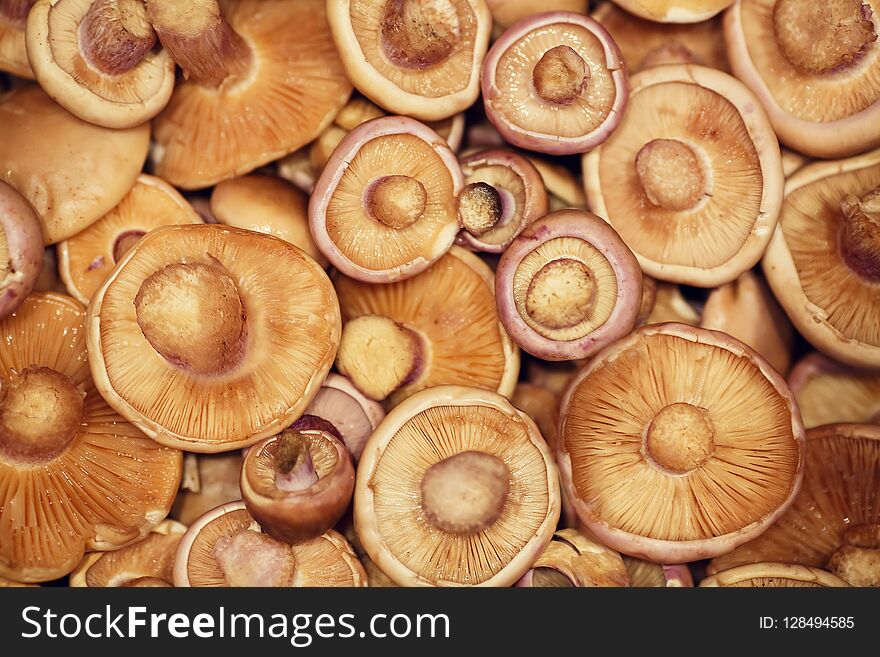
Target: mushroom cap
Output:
[(829, 392), (108, 487), (295, 88), (534, 123), (425, 430), (774, 575), (830, 304), (72, 172), (21, 248), (645, 574), (563, 188), (13, 52), (573, 559), (670, 305), (429, 93), (506, 13), (284, 349), (86, 259), (792, 162), (122, 100), (675, 11), (832, 114), (705, 445), (721, 123)]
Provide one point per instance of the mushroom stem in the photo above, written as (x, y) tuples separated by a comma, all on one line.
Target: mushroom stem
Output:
[(671, 174), (200, 40), (858, 560), (561, 294), (16, 11), (396, 201), (860, 234), (419, 33), (115, 35), (680, 438), (294, 468), (480, 208), (561, 75)]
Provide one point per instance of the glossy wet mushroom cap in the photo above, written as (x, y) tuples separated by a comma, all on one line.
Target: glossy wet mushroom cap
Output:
[(13, 51), (574, 560), (774, 575), (675, 11), (21, 248), (829, 392)]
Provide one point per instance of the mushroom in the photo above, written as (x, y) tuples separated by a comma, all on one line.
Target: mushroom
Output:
[(71, 172), (438, 328), (194, 337), (262, 79), (87, 258), (555, 83), (49, 280), (343, 411), (298, 484), (551, 375), (506, 13), (21, 248), (76, 476), (774, 575), (644, 574), (671, 305), (385, 208), (567, 286), (375, 577), (147, 563), (564, 190), (12, 584), (225, 547), (823, 263), (209, 480), (814, 66), (645, 43), (829, 392), (421, 58), (96, 59), (450, 473), (266, 204), (503, 194), (834, 522), (692, 179), (574, 560), (675, 11), (13, 52), (679, 444)]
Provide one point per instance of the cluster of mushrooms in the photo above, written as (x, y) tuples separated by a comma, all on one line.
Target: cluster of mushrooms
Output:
[(440, 292)]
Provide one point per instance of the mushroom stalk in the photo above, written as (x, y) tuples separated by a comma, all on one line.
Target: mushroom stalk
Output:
[(115, 35), (860, 237), (295, 470)]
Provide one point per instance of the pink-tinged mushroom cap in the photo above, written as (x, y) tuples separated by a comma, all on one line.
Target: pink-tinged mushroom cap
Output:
[(22, 238)]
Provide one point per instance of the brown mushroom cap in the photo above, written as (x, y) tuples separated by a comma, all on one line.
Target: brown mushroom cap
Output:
[(21, 248), (675, 11), (692, 179), (72, 172), (573, 559), (774, 575), (829, 392), (89, 479), (13, 52), (452, 472), (679, 443), (195, 338), (209, 480)]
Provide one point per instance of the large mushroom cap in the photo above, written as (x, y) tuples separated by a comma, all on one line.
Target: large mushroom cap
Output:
[(451, 473), (815, 66), (76, 476), (72, 172), (675, 11), (195, 338), (677, 444), (13, 51), (692, 179), (829, 392), (774, 575)]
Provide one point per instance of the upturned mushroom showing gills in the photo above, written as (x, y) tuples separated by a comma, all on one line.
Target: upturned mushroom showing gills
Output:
[(815, 66), (834, 522), (574, 560), (86, 259), (195, 339), (13, 51), (421, 58), (451, 473), (96, 58), (438, 328), (829, 392), (261, 80), (298, 484), (675, 11), (774, 575), (225, 547), (75, 475), (503, 194), (823, 263), (692, 179), (385, 207), (555, 83), (679, 444), (568, 286), (72, 172), (21, 249)]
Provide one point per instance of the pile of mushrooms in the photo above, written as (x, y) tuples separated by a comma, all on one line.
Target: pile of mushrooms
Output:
[(439, 293)]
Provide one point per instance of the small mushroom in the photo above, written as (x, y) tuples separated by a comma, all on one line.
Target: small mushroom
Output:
[(196, 339), (86, 259), (385, 207), (829, 392), (823, 263), (675, 11), (834, 522), (567, 286), (261, 79), (450, 473), (298, 484), (564, 190), (96, 58), (13, 51), (774, 575), (209, 480), (644, 574), (71, 172), (438, 328), (679, 444), (692, 179), (503, 193), (574, 560), (225, 547), (555, 83), (814, 67), (21, 248), (421, 58), (76, 476)]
